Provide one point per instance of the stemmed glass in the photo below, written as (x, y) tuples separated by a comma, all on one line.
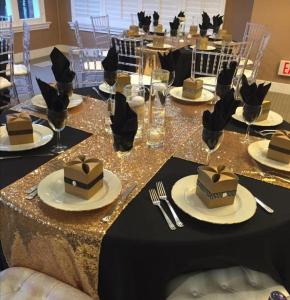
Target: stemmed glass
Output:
[(57, 121), (250, 115), (212, 140), (110, 78)]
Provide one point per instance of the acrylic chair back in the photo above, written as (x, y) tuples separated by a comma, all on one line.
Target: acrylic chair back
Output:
[(101, 31), (78, 37)]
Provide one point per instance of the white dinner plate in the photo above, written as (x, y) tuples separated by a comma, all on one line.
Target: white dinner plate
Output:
[(165, 46), (41, 136), (219, 43), (75, 100), (206, 95), (258, 151), (209, 48), (104, 87), (273, 119), (209, 83), (51, 192), (184, 196)]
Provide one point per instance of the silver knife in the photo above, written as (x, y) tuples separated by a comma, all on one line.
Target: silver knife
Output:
[(124, 196), (23, 156), (265, 206)]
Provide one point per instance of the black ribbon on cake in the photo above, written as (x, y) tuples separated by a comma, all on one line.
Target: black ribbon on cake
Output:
[(55, 102), (221, 115), (253, 94), (61, 67), (155, 18), (124, 124), (167, 60), (141, 16)]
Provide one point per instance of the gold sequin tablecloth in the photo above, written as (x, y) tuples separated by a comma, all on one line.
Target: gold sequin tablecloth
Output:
[(67, 245)]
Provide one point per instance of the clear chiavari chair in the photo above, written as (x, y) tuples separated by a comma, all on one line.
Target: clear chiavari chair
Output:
[(78, 35), (87, 64), (7, 63), (101, 31), (6, 25), (131, 55), (22, 72)]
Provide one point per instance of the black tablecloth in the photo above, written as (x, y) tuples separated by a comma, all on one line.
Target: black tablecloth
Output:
[(139, 253), (13, 169)]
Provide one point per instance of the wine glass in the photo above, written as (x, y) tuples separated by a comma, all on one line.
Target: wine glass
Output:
[(57, 121), (213, 140), (110, 78), (250, 115)]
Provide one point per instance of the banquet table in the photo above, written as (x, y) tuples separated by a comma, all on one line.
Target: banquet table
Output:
[(134, 255)]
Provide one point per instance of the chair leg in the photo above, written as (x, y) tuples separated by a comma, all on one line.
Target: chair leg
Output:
[(30, 85), (15, 93)]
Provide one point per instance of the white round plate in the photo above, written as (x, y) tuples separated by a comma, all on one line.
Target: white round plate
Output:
[(51, 192), (258, 151), (206, 95), (273, 119), (209, 48), (104, 87), (41, 136), (75, 100), (209, 83), (219, 43), (165, 46), (184, 196)]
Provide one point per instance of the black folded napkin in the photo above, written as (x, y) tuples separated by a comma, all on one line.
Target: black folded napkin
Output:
[(124, 124), (155, 18), (217, 21), (221, 115), (175, 24), (110, 63), (54, 101), (206, 24), (141, 15), (225, 77), (61, 67), (147, 21), (167, 61), (181, 14), (253, 94)]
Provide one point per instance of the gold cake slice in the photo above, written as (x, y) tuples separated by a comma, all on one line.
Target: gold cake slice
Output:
[(192, 88), (279, 146), (266, 106), (123, 79)]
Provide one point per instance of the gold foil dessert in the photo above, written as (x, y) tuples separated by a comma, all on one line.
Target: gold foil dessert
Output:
[(279, 146), (193, 29), (123, 79), (216, 186), (19, 128), (133, 30), (266, 106), (202, 43), (192, 88), (158, 41), (83, 176), (159, 28)]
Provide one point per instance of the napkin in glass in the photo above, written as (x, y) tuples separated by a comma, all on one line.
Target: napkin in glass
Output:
[(61, 67), (225, 77), (253, 94), (206, 24), (124, 124), (141, 15), (181, 14), (110, 62), (217, 21), (147, 20), (221, 115), (167, 61), (155, 18), (54, 101), (175, 24)]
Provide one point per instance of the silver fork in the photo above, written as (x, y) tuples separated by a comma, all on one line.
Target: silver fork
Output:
[(156, 201), (162, 195)]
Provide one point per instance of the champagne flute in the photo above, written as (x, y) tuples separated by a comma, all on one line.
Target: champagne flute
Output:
[(110, 78), (250, 115), (57, 121), (212, 140)]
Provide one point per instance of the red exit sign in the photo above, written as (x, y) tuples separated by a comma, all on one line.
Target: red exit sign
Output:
[(284, 68)]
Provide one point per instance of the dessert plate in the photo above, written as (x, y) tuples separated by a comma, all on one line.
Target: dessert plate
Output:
[(258, 151), (104, 87), (184, 196), (41, 135), (220, 42), (165, 47), (51, 192), (273, 119), (206, 95), (75, 100), (209, 48), (209, 83)]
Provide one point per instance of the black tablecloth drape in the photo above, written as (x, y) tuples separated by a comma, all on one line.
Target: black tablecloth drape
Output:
[(13, 169), (139, 253)]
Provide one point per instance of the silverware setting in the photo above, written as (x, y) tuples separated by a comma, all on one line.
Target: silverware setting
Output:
[(24, 156), (265, 132), (34, 108), (31, 193), (156, 201), (162, 195), (123, 197), (267, 208)]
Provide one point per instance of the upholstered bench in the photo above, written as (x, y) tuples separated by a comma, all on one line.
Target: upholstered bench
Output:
[(236, 283), (26, 284)]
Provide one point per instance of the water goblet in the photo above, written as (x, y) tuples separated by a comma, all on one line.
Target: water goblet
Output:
[(212, 140), (57, 121), (250, 115)]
